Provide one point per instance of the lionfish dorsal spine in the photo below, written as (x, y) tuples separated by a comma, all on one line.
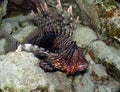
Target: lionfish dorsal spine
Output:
[(47, 20)]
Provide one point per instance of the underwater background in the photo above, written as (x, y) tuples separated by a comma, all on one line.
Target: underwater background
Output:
[(92, 25)]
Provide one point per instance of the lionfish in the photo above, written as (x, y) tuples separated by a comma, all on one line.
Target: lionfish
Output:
[(54, 45)]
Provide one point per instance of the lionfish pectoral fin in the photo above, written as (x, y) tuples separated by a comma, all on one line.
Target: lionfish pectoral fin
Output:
[(46, 66)]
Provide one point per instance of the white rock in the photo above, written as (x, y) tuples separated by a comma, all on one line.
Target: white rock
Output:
[(20, 71), (84, 35)]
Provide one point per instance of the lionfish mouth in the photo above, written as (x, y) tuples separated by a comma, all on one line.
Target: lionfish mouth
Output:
[(55, 35)]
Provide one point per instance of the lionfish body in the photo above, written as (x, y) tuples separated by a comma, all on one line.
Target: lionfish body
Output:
[(55, 35)]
